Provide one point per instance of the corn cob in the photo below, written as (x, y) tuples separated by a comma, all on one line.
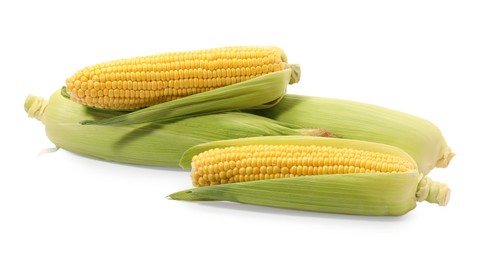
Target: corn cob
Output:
[(265, 162), (145, 144), (260, 92), (305, 173), (354, 120), (129, 84)]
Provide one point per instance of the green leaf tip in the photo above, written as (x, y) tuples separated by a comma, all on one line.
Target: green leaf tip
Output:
[(186, 195), (64, 92)]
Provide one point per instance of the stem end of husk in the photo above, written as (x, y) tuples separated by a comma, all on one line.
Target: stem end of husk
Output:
[(433, 192), (447, 156), (35, 106)]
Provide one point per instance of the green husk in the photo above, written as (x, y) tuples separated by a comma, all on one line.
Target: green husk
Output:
[(362, 194), (355, 120), (357, 193), (146, 144), (261, 92)]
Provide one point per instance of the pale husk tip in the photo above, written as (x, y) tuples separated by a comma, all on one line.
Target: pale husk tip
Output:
[(447, 156)]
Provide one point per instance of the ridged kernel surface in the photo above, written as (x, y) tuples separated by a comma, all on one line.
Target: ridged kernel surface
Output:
[(144, 81), (265, 162)]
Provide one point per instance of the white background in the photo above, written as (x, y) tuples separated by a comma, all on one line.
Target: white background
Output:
[(421, 57)]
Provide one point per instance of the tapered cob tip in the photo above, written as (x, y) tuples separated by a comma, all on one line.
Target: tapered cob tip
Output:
[(35, 106), (433, 192)]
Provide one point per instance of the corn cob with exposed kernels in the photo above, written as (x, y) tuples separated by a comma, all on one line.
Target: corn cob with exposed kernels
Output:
[(306, 173), (265, 162), (139, 82)]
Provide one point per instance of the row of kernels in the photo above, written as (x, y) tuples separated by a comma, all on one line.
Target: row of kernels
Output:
[(160, 65), (242, 161), (295, 169), (215, 54), (267, 172), (114, 102), (126, 93), (120, 103), (199, 73), (153, 85), (194, 85)]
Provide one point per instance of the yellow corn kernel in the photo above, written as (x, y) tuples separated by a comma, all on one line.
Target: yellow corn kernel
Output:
[(305, 160), (151, 80)]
